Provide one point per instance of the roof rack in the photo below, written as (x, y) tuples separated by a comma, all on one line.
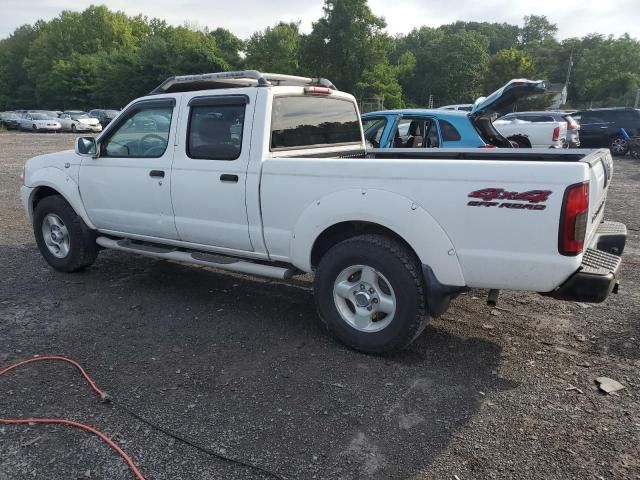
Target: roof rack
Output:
[(242, 78)]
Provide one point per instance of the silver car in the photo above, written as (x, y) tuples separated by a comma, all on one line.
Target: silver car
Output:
[(39, 122)]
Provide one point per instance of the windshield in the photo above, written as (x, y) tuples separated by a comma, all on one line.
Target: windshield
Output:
[(78, 116), (39, 116)]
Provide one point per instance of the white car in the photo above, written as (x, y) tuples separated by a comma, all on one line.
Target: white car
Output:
[(268, 175), (77, 121), (39, 122), (531, 133), (467, 107)]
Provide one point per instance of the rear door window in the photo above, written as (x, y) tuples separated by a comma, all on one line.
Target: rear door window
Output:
[(416, 133), (449, 132), (591, 117), (215, 131), (313, 122)]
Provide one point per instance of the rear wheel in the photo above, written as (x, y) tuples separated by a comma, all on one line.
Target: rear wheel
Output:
[(618, 146), (73, 128), (34, 128), (369, 292), (64, 240), (521, 141)]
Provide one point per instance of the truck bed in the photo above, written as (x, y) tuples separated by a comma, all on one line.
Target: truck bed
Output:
[(506, 154)]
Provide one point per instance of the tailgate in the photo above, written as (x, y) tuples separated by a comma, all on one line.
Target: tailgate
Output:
[(601, 172)]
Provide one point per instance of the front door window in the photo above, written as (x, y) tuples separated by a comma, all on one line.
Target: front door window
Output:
[(144, 134)]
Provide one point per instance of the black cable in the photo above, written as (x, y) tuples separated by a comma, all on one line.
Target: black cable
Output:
[(208, 451)]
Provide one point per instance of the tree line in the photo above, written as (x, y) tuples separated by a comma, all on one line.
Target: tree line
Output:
[(101, 58)]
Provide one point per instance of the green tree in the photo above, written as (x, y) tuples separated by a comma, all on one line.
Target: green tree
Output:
[(607, 72), (500, 35), (537, 28), (449, 66), (275, 49), (345, 42), (507, 65), (229, 47), (15, 87), (381, 81)]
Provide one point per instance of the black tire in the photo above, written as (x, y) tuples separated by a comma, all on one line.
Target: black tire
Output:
[(73, 128), (618, 146), (82, 250), (401, 269), (521, 140), (34, 128)]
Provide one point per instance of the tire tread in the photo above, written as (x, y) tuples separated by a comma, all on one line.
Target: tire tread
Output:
[(412, 265)]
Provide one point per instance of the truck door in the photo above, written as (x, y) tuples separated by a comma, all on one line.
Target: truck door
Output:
[(210, 171), (127, 189)]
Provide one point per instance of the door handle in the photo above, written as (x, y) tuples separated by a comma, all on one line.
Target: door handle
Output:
[(156, 173), (226, 177)]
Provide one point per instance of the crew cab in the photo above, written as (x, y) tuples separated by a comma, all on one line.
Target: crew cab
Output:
[(268, 175)]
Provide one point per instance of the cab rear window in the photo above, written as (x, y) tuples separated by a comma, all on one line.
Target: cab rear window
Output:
[(313, 122)]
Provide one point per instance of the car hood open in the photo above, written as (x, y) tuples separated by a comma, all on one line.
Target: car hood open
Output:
[(505, 97)]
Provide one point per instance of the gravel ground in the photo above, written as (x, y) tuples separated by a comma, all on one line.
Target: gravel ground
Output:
[(242, 366)]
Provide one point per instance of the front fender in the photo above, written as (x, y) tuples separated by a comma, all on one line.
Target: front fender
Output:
[(395, 212), (62, 183)]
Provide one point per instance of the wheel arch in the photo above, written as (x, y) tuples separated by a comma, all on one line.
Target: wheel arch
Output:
[(341, 215), (52, 181), (343, 230)]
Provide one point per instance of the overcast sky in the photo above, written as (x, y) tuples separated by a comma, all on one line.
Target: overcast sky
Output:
[(243, 17)]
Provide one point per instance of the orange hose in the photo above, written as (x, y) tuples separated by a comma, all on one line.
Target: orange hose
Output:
[(61, 421)]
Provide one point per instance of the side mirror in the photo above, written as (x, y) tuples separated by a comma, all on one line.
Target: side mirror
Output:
[(87, 147)]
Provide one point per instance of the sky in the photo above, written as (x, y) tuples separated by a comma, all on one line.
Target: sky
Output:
[(243, 17)]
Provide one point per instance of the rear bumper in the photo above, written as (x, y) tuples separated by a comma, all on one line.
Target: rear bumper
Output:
[(598, 274)]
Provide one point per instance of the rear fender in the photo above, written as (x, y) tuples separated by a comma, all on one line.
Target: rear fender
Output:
[(397, 213)]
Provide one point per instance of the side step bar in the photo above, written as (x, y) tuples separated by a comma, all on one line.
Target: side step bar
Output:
[(198, 258)]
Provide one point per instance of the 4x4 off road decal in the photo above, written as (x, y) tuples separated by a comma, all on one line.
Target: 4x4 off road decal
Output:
[(489, 196)]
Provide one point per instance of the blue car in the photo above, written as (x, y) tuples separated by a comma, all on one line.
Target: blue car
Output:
[(417, 128), (430, 128)]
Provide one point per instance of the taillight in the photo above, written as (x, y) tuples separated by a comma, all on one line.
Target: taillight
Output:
[(573, 219), (556, 134)]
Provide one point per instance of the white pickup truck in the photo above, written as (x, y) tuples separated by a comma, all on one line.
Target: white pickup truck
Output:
[(268, 175)]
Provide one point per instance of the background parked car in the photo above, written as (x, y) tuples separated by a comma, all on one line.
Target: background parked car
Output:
[(79, 121), (38, 122), (600, 127), (415, 128), (573, 128), (444, 128), (466, 107), (103, 116), (11, 120)]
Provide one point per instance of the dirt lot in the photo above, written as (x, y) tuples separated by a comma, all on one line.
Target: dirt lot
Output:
[(242, 366)]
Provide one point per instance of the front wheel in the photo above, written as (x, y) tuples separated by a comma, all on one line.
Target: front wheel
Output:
[(618, 146), (73, 128), (369, 292), (64, 240)]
